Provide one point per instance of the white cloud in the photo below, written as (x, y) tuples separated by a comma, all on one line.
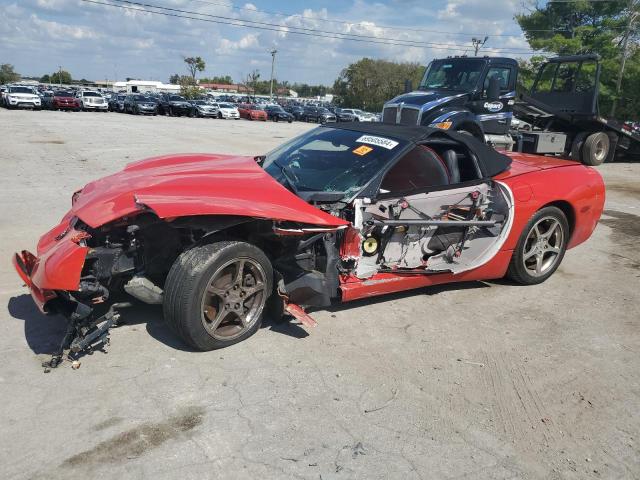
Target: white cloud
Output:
[(95, 41)]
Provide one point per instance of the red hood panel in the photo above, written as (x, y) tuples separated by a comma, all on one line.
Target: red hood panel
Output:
[(195, 184), (524, 163)]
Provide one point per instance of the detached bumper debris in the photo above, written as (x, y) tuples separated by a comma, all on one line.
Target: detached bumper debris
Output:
[(299, 313), (85, 334)]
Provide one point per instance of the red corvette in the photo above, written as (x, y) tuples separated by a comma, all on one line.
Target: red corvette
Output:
[(339, 213)]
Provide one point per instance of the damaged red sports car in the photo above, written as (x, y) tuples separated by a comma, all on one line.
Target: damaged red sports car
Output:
[(336, 214)]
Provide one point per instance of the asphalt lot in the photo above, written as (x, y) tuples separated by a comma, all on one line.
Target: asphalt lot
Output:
[(473, 381)]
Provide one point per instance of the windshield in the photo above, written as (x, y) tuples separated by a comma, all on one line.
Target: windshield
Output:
[(255, 107), (456, 74), (330, 160), (63, 94), (141, 98), (90, 94), (226, 105), (176, 98), (20, 90), (199, 102)]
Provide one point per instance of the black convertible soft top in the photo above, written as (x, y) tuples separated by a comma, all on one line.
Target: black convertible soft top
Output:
[(491, 162)]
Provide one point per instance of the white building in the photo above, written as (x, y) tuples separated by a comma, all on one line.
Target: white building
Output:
[(143, 86)]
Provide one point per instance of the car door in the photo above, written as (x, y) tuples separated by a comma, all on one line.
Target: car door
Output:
[(433, 213)]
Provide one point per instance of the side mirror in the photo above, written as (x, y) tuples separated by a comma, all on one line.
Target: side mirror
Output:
[(493, 90)]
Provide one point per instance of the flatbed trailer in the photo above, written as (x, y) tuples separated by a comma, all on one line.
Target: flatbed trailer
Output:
[(562, 112)]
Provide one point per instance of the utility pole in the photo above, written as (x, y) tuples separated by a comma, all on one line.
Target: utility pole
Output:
[(60, 75), (625, 44), (477, 43), (273, 62)]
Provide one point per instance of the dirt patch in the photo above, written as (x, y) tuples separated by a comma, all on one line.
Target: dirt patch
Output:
[(623, 225), (631, 189), (53, 142), (110, 422), (136, 441)]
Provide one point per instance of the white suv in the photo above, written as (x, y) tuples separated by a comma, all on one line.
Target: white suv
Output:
[(90, 100), (18, 96)]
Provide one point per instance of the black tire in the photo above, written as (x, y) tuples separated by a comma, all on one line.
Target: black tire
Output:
[(518, 270), (219, 115), (595, 149), (186, 287)]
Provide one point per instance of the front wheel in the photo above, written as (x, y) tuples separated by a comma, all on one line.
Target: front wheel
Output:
[(215, 294), (541, 247)]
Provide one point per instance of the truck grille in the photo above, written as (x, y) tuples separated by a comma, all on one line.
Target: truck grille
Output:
[(389, 115), (409, 116)]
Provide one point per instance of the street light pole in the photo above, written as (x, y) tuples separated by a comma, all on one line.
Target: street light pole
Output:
[(60, 75), (273, 62)]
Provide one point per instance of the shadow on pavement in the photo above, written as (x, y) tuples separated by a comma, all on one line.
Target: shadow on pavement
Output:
[(44, 333)]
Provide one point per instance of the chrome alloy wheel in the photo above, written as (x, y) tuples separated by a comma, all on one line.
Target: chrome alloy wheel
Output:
[(543, 246), (234, 299)]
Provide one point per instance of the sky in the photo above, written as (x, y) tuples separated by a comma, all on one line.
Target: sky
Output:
[(99, 42)]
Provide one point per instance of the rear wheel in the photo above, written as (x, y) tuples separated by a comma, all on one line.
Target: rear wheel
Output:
[(595, 149), (541, 247), (215, 294)]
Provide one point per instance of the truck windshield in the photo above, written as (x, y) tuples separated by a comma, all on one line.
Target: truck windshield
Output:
[(459, 74)]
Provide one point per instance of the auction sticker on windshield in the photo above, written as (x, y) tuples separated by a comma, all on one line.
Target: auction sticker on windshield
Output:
[(378, 141), (362, 150)]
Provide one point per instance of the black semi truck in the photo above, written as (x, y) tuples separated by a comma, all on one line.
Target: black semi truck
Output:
[(558, 116)]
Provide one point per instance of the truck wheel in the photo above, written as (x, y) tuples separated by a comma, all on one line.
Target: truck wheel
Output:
[(215, 294), (595, 149)]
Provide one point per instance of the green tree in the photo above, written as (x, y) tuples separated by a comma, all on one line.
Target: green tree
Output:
[(45, 78), (567, 28), (370, 83), (174, 79), (253, 80), (8, 74), (225, 80), (63, 77), (194, 65), (189, 88)]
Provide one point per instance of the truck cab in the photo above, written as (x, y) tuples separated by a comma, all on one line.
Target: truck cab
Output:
[(469, 94)]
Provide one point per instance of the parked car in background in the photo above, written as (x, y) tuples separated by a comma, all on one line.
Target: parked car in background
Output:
[(202, 108), (140, 105), (174, 106), (116, 103), (64, 100), (90, 100), (296, 110), (342, 116), (252, 112), (318, 115), (18, 96), (227, 110), (277, 113), (360, 115)]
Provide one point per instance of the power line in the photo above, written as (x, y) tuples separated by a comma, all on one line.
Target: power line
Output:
[(386, 27), (219, 19)]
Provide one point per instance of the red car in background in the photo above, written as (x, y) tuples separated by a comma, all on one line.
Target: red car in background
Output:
[(337, 214), (252, 112), (65, 101)]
